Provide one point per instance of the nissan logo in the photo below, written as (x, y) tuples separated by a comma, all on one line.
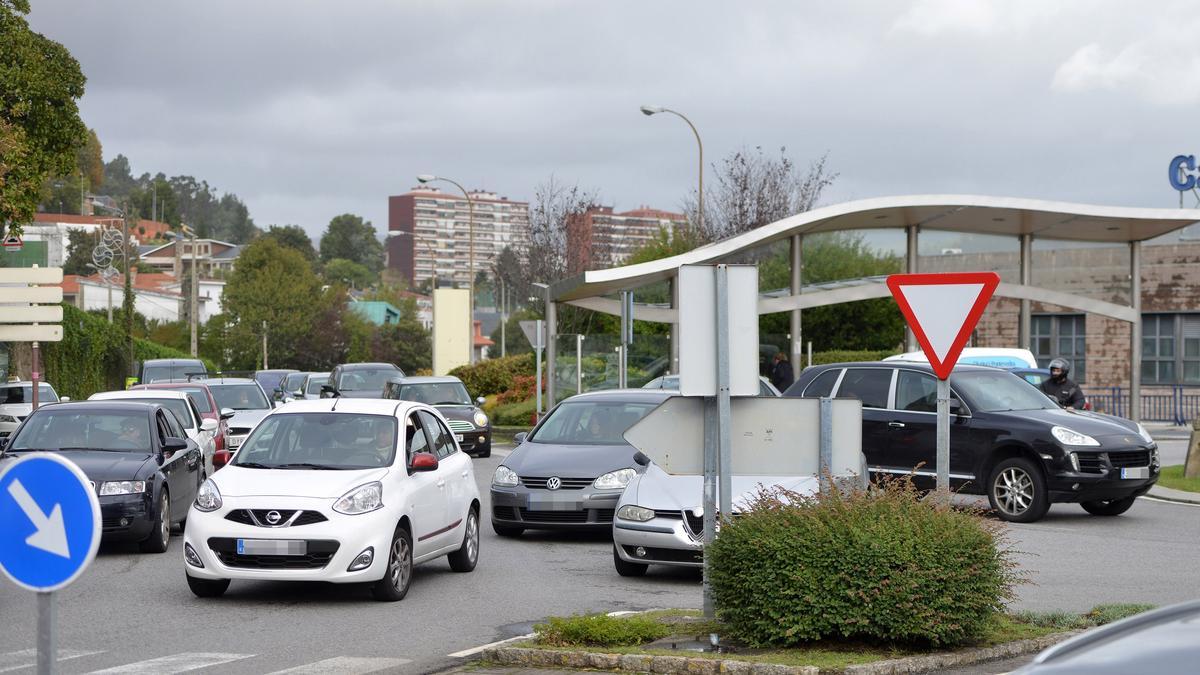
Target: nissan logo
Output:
[(553, 483), (273, 517)]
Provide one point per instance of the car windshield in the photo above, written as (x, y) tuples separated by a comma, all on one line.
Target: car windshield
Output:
[(240, 397), (67, 428), (999, 392), (434, 393), (590, 422), (365, 379), (179, 406), (293, 381), (315, 382), (176, 372), (325, 440), (23, 393), (199, 398)]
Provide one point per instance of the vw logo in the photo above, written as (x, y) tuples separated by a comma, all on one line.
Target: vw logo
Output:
[(273, 517), (553, 483)]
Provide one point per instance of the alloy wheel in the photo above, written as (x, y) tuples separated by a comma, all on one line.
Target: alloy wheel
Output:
[(472, 537), (165, 528), (1014, 490), (400, 565)]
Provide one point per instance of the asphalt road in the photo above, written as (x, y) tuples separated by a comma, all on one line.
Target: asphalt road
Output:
[(132, 612)]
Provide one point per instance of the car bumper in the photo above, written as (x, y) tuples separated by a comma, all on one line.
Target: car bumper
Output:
[(126, 517), (475, 442), (659, 541), (554, 509), (1068, 486), (331, 545)]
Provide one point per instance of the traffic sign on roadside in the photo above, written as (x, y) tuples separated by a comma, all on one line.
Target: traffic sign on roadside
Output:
[(942, 310), (13, 243)]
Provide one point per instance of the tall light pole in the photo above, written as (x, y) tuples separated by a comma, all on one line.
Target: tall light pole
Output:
[(429, 178), (654, 110), (193, 292)]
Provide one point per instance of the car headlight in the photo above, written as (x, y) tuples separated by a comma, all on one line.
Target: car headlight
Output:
[(1071, 437), (8, 418), (1144, 433), (614, 480), (362, 499), (208, 497), (1074, 460), (122, 487), (635, 513), (481, 419), (505, 477)]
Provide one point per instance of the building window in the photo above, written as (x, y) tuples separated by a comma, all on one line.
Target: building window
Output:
[(1061, 336), (1163, 362)]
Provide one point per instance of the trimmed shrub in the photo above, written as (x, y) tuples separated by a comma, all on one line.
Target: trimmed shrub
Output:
[(822, 358), (514, 414), (878, 565), (599, 630), (522, 389), (494, 375)]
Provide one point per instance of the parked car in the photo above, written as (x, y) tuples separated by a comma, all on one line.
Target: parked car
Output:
[(202, 431), (570, 470), (171, 370), (16, 402), (765, 388), (144, 468), (272, 381), (293, 385), (1164, 641), (471, 426), (359, 380), (345, 491), (1007, 439), (311, 387), (247, 402), (206, 404)]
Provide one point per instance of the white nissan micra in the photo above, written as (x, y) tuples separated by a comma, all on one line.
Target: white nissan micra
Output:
[(339, 490)]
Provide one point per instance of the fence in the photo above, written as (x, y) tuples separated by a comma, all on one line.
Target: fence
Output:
[(1178, 404)]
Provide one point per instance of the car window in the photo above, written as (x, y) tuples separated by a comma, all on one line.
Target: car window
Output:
[(200, 399), (320, 440), (443, 443), (293, 382), (180, 407), (240, 397), (869, 385), (916, 392), (314, 384), (60, 427), (175, 422), (590, 422), (414, 437), (997, 391), (164, 430), (822, 385), (23, 393), (366, 379)]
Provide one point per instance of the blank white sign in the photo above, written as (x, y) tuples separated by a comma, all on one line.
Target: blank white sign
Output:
[(698, 330)]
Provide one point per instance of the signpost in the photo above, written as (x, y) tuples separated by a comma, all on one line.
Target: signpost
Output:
[(51, 532), (24, 321), (535, 332), (942, 311)]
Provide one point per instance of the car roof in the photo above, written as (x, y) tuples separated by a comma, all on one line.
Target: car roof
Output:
[(195, 384), (364, 366), (910, 365), (371, 406), (171, 362), (102, 406), (629, 395), (25, 383), (218, 381), (138, 393), (316, 374), (426, 379)]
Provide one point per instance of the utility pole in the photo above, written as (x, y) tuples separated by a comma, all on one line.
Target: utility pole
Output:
[(265, 366), (503, 320), (195, 294), (128, 304)]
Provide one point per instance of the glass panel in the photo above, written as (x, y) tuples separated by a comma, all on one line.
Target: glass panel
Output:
[(1041, 325), (1066, 325), (1043, 347), (1149, 371), (1166, 372), (1191, 347), (822, 385), (916, 392), (1166, 346), (1191, 372), (869, 385), (1080, 347), (1064, 346), (1149, 346)]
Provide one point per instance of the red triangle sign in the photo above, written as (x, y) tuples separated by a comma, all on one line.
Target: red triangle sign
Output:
[(942, 310)]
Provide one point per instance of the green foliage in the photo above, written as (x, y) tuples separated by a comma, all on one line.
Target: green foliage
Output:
[(79, 251), (518, 414), (1102, 614), (846, 356), (350, 273), (293, 236), (1098, 616), (599, 630), (878, 565), (524, 387), (405, 343), (494, 375), (351, 238), (665, 244)]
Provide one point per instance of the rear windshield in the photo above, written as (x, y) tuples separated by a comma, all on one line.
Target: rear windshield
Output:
[(320, 441), (294, 381), (366, 379), (315, 383), (239, 396), (173, 373), (65, 428), (23, 393), (591, 422)]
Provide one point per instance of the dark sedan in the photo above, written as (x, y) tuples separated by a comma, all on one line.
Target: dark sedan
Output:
[(1007, 439), (471, 426), (359, 380), (571, 469), (144, 469)]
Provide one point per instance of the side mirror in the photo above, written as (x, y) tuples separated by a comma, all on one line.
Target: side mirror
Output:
[(172, 445), (423, 461), (641, 459), (480, 401), (226, 413), (519, 438), (64, 398), (209, 425), (328, 391)]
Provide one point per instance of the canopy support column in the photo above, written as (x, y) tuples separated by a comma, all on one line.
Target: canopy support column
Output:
[(673, 285), (1135, 331), (1024, 333), (797, 346), (910, 340)]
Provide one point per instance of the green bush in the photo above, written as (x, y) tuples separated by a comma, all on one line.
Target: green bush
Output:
[(879, 565), (1102, 614), (494, 375), (599, 630), (842, 356), (514, 414)]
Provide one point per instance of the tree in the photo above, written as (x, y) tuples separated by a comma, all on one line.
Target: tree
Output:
[(79, 251), (405, 343), (349, 273), (40, 128), (233, 222), (294, 237), (350, 237)]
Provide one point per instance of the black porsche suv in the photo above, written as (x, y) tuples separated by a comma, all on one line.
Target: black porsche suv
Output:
[(1007, 439)]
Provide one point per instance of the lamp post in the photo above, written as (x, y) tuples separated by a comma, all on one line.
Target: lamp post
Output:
[(429, 178), (654, 110), (193, 293)]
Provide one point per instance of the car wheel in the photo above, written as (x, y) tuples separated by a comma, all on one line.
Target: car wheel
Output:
[(398, 575), (465, 558), (626, 568), (507, 530), (1109, 507), (207, 588), (1017, 491), (160, 535), (485, 453)]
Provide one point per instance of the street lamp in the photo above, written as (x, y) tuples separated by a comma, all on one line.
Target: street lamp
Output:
[(194, 293), (429, 178), (654, 110)]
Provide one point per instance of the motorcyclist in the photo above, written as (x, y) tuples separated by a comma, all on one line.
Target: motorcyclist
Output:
[(1060, 388)]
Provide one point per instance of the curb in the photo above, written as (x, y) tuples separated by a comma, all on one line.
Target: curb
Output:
[(1159, 495), (645, 663)]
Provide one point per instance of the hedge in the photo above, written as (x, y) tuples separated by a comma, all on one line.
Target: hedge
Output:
[(494, 376)]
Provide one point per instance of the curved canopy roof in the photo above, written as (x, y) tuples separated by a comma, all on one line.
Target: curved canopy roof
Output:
[(954, 213)]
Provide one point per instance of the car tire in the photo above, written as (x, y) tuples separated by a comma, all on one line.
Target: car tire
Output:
[(1017, 491), (160, 534), (626, 568), (207, 588), (397, 576), (485, 453), (1109, 507), (507, 530), (467, 556)]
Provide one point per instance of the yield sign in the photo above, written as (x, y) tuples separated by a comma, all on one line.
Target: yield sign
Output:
[(942, 310)]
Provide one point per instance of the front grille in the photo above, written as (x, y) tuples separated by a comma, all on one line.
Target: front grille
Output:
[(504, 512), (539, 482), (1099, 462), (460, 426), (1126, 459), (658, 513), (320, 552), (605, 515), (1091, 462), (554, 516), (245, 517), (695, 524), (666, 554), (239, 431)]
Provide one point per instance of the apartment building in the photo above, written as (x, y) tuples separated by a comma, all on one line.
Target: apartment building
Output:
[(599, 238)]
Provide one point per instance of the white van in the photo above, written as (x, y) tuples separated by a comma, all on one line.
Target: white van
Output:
[(996, 357)]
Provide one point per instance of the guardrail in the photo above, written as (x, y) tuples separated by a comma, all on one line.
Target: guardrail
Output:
[(1176, 404)]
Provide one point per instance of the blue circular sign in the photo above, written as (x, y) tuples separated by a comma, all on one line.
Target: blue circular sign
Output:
[(51, 521)]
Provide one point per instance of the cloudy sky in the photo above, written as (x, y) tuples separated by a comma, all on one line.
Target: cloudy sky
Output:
[(308, 109)]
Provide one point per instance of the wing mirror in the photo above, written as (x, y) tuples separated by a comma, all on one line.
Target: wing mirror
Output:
[(226, 413), (328, 391), (520, 437), (423, 461), (641, 459), (172, 445), (480, 400), (209, 425)]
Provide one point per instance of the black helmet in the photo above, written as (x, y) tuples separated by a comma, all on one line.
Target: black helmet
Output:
[(1062, 364)]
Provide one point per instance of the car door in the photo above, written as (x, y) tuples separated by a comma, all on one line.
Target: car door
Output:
[(193, 465), (455, 468), (206, 440), (913, 424), (173, 468), (872, 386), (426, 490)]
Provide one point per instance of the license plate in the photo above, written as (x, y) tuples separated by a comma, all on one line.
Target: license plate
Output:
[(1136, 472), (234, 442), (458, 437), (549, 503), (272, 547)]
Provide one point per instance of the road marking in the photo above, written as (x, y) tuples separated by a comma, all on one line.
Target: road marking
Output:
[(1167, 501), (344, 665), (176, 663), (475, 650), (27, 658)]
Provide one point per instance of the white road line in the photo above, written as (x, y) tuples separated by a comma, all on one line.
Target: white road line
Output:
[(1167, 501), (344, 665), (176, 663), (475, 650), (27, 658)]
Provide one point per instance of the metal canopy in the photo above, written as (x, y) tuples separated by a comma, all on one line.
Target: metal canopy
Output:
[(955, 213)]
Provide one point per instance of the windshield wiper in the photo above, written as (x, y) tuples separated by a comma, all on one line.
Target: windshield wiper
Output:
[(306, 465), (103, 449), (253, 465)]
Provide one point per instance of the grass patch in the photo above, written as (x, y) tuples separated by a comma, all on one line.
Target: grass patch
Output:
[(1172, 477), (600, 630)]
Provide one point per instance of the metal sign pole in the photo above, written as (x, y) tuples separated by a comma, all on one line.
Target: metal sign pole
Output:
[(579, 364), (710, 493), (825, 443), (36, 374), (943, 439), (724, 426), (47, 646), (538, 346)]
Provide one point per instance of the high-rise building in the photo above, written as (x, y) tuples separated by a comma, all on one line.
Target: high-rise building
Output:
[(429, 233), (600, 238)]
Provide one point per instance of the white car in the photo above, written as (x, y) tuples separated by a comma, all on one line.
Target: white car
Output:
[(16, 402), (202, 431), (340, 490), (996, 357)]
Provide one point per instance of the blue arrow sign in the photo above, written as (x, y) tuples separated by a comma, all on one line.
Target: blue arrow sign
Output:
[(51, 522)]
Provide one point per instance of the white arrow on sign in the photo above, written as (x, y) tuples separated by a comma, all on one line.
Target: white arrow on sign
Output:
[(51, 534)]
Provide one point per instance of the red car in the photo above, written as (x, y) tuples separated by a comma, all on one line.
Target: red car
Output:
[(206, 405)]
